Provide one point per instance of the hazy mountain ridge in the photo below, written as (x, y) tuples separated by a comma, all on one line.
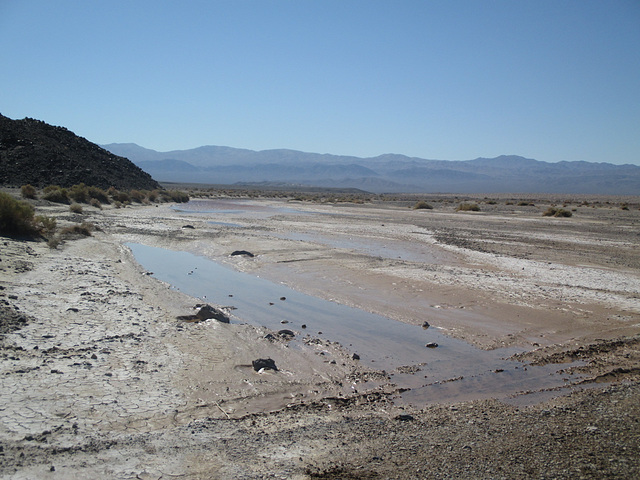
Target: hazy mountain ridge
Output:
[(384, 173)]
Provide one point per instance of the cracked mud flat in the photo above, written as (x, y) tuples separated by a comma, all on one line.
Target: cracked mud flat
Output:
[(99, 380)]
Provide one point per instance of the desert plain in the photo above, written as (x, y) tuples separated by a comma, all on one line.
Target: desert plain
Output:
[(535, 372)]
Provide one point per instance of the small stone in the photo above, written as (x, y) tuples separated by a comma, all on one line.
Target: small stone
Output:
[(264, 363)]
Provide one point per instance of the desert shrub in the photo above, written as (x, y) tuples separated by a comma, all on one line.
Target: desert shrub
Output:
[(556, 212), (422, 205), (137, 196), (83, 229), (98, 194), (79, 193), (468, 207), (54, 242), (491, 202), (75, 208), (525, 204), (122, 197), (177, 196), (624, 206), (153, 196), (94, 202), (56, 194), (15, 216), (45, 225), (28, 191)]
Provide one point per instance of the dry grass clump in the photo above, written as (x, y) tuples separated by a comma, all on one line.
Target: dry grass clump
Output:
[(16, 217), (84, 229), (55, 194), (28, 191), (75, 208), (97, 197), (422, 205), (468, 207), (556, 212)]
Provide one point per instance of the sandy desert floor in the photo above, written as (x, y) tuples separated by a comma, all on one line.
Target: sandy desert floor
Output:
[(100, 379)]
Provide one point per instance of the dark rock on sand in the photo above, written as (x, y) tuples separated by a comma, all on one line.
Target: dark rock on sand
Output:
[(286, 334), (264, 363), (245, 253), (207, 311)]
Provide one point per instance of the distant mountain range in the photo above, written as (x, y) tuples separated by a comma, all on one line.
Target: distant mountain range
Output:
[(385, 173)]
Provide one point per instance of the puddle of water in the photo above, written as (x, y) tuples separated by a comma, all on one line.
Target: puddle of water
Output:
[(383, 248), (227, 206), (227, 224), (382, 343)]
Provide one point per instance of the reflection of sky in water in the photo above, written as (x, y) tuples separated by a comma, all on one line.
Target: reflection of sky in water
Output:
[(381, 343), (384, 248), (235, 207)]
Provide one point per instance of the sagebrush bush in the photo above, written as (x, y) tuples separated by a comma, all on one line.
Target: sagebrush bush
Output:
[(176, 196), (16, 217), (79, 193), (45, 225), (83, 229), (556, 212), (75, 208), (98, 194), (468, 207), (94, 202), (28, 191), (56, 194), (122, 197), (422, 205), (137, 196)]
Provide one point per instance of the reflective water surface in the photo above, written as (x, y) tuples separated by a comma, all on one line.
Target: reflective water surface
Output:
[(454, 370)]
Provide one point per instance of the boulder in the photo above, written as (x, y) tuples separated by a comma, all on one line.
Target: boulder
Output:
[(287, 334), (264, 363), (245, 253), (207, 311)]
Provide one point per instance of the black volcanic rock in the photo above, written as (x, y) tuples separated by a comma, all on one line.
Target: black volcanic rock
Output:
[(34, 152)]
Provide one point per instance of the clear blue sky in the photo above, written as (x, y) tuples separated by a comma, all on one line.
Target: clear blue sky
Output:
[(453, 80)]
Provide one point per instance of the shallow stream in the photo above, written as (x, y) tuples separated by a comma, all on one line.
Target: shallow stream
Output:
[(452, 371)]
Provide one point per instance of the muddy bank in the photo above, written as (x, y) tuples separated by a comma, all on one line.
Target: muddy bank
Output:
[(100, 379)]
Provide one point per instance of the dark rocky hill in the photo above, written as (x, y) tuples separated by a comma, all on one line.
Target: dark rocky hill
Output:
[(34, 152)]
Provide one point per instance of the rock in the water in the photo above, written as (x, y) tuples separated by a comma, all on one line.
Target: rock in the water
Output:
[(355, 356), (431, 345), (264, 363), (425, 325), (207, 311), (236, 253), (288, 334)]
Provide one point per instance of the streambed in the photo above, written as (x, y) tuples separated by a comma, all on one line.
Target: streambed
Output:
[(452, 371)]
